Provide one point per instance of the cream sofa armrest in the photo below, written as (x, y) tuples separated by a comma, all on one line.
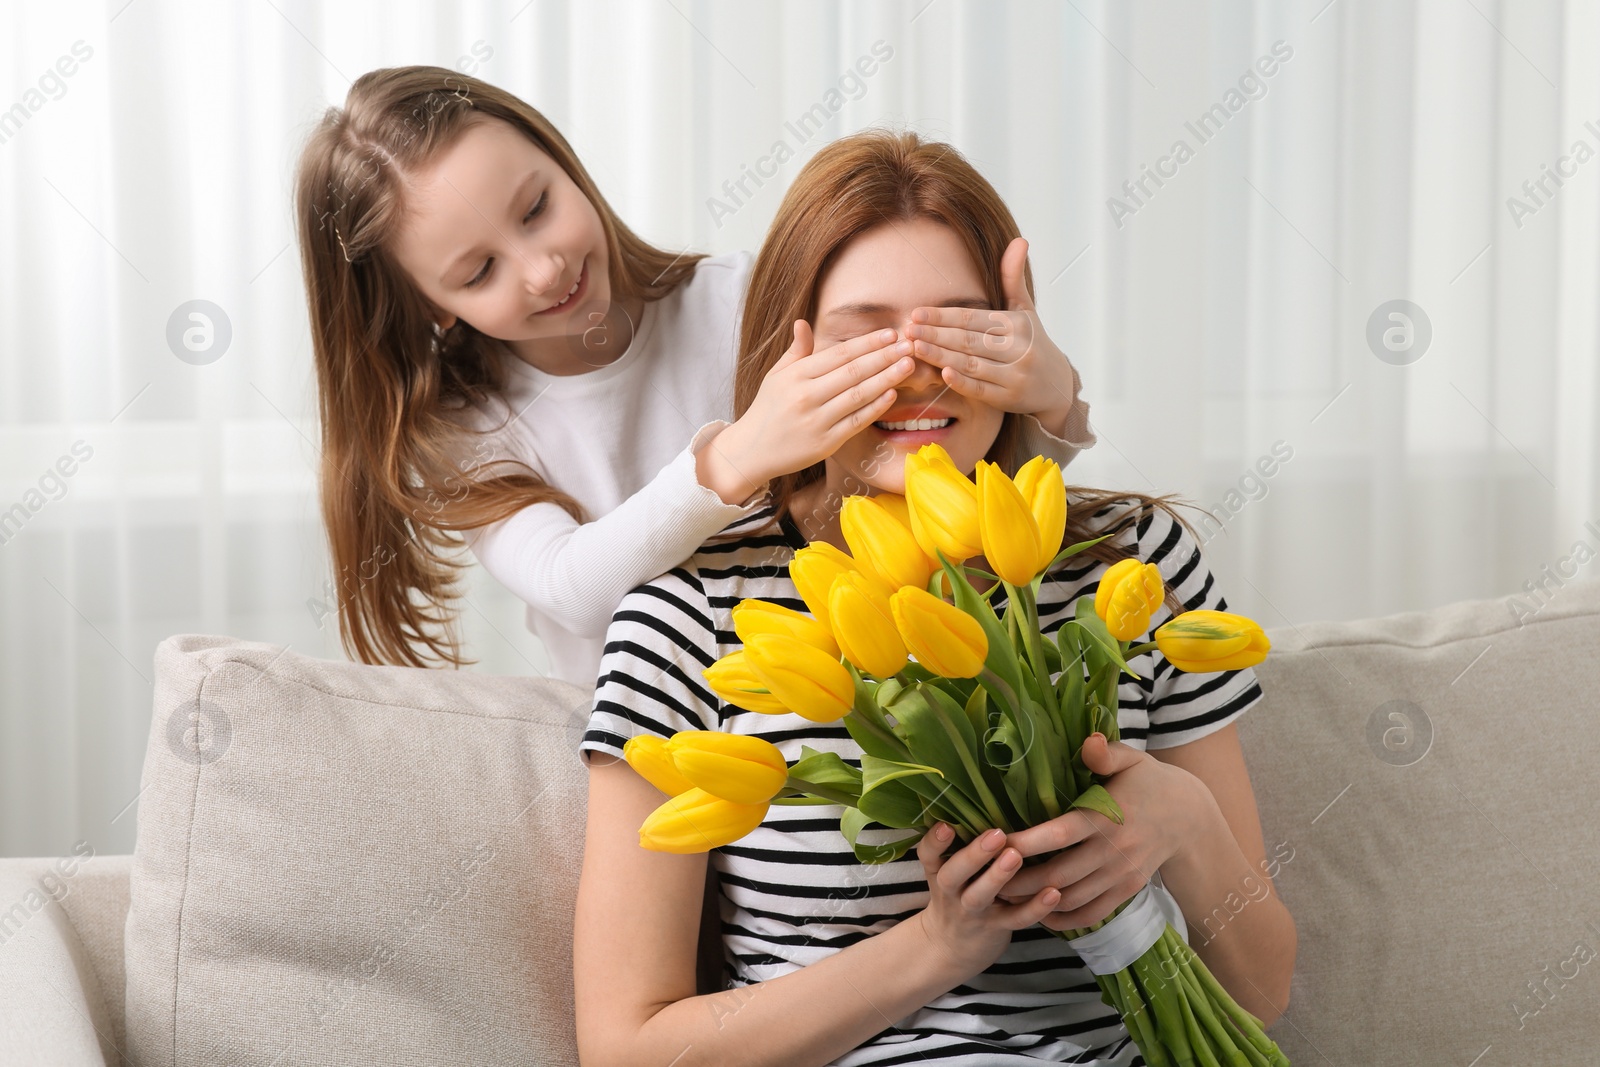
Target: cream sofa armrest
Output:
[(51, 1010)]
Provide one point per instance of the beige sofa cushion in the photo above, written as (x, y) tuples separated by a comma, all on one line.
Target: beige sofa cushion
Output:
[(53, 1006), (339, 863), (1444, 888)]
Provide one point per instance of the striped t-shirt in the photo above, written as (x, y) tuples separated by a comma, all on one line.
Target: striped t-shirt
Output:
[(792, 891)]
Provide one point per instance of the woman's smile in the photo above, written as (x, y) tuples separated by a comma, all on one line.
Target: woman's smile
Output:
[(910, 426)]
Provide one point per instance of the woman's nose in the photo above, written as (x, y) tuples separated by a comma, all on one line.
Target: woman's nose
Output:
[(923, 374)]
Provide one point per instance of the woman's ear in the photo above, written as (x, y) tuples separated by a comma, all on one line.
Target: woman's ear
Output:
[(444, 322)]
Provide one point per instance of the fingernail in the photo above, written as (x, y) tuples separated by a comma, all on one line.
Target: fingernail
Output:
[(886, 335), (992, 839), (942, 832)]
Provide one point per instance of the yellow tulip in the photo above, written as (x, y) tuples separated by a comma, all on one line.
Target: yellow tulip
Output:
[(736, 767), (1010, 534), (859, 608), (753, 616), (1130, 592), (943, 504), (813, 570), (807, 680), (732, 679), (647, 754), (1204, 641), (896, 505), (933, 452), (882, 545), (1039, 482), (945, 639), (698, 821)]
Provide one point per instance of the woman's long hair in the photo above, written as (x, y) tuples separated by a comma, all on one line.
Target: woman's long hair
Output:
[(851, 185), (394, 462)]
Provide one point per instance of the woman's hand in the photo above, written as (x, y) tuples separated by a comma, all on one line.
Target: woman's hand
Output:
[(967, 929), (808, 405), (1103, 863), (1003, 358)]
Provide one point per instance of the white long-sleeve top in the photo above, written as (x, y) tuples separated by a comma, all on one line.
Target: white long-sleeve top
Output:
[(621, 440)]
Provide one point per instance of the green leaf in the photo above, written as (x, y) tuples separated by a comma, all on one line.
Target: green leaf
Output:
[(938, 733), (977, 709), (1005, 755), (1069, 637), (870, 741), (899, 803), (826, 768), (1094, 628), (1106, 722), (854, 821), (1073, 550), (1030, 684), (1070, 699), (1002, 658), (1096, 798), (1052, 656), (875, 771), (928, 741), (869, 697), (885, 692), (960, 688), (1020, 792), (1045, 759)]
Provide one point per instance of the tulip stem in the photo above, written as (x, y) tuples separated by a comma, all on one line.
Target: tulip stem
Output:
[(827, 792), (1022, 598), (1139, 650), (1003, 688)]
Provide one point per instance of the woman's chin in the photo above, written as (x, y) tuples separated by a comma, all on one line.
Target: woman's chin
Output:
[(869, 475)]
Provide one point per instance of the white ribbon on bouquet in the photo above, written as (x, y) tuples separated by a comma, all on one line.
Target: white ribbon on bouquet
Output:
[(1131, 932)]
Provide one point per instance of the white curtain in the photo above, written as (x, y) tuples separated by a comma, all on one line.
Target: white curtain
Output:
[(1219, 318)]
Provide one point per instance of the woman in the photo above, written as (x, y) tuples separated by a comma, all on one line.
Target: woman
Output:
[(933, 959)]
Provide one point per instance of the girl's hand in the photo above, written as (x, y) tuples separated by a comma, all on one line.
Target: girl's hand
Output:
[(1002, 358), (809, 404), (965, 925), (1103, 863)]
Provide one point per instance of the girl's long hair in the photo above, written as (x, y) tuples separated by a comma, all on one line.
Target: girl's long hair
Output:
[(868, 179), (394, 462)]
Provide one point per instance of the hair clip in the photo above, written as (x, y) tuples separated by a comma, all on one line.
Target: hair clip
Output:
[(338, 237)]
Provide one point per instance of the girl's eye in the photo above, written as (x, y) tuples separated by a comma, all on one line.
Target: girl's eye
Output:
[(536, 209)]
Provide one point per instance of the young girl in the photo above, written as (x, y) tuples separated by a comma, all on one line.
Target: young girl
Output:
[(498, 354), (927, 958)]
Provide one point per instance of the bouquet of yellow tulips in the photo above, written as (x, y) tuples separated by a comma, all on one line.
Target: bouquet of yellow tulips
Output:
[(963, 715)]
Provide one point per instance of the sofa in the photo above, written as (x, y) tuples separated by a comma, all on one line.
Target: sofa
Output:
[(339, 863)]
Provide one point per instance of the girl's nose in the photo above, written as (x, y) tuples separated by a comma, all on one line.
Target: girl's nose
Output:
[(544, 275)]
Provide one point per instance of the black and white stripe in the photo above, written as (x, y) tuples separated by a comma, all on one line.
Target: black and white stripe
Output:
[(792, 890)]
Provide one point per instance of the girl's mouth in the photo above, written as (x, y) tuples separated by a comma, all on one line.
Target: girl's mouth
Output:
[(579, 287)]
